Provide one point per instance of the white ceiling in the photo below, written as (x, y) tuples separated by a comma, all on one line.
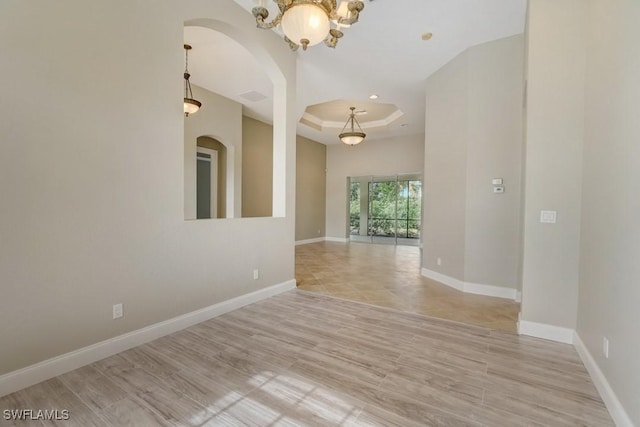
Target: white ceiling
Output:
[(383, 54)]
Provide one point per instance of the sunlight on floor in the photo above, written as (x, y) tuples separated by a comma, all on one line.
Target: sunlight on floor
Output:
[(280, 399)]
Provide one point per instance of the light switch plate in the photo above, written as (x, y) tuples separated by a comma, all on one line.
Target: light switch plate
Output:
[(496, 181), (548, 217), (118, 311)]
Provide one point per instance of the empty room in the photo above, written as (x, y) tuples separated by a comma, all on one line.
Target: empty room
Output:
[(367, 213)]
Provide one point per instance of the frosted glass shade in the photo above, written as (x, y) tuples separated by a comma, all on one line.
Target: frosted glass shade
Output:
[(352, 138), (191, 106), (305, 21)]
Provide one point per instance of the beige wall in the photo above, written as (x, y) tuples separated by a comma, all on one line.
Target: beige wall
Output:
[(311, 166), (555, 131), (493, 221), (609, 294), (445, 168), (219, 118), (257, 168), (474, 134), (91, 175), (311, 160), (378, 157)]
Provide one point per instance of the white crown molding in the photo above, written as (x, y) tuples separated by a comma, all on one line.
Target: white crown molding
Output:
[(545, 331), (312, 120), (471, 288), (329, 125), (616, 410), (30, 375)]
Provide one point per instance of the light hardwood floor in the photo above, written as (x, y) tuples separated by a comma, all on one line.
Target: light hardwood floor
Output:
[(302, 358), (389, 276)]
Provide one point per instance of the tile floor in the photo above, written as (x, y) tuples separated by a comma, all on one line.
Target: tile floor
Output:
[(304, 359), (389, 276)]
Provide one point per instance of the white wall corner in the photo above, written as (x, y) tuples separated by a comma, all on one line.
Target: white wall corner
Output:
[(616, 410), (547, 332), (471, 288), (307, 241), (42, 371)]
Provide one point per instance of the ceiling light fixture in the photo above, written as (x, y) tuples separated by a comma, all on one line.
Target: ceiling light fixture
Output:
[(374, 96), (352, 137), (427, 36), (308, 22), (190, 105)]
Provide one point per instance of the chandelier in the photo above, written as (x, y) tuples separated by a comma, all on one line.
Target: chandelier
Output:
[(308, 22), (190, 105), (352, 137)]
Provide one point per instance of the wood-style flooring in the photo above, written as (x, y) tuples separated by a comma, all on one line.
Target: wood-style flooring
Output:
[(389, 276), (302, 358)]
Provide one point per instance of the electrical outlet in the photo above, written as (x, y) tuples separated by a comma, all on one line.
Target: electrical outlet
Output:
[(118, 311), (439, 261), (256, 274), (605, 347)]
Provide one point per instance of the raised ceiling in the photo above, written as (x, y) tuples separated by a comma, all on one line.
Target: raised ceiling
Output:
[(330, 117), (383, 54)]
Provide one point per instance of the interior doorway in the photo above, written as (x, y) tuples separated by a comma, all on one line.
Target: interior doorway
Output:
[(385, 209), (206, 183)]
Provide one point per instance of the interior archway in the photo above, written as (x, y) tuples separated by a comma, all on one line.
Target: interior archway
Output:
[(279, 119)]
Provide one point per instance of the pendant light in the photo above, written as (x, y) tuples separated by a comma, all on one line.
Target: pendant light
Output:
[(352, 137), (190, 105), (308, 22)]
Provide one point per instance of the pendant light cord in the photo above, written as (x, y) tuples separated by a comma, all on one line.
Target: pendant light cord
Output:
[(187, 84)]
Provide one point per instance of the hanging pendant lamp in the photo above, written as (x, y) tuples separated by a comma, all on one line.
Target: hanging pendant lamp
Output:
[(191, 105), (352, 137)]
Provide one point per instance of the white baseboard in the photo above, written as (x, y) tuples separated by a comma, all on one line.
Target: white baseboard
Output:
[(617, 411), (336, 239), (570, 336), (30, 375), (307, 241), (547, 332), (471, 288), (452, 282), (490, 290)]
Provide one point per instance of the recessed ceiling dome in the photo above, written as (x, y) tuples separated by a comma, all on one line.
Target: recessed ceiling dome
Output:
[(329, 116)]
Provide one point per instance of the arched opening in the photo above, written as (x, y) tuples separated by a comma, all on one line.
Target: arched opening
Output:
[(234, 97)]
